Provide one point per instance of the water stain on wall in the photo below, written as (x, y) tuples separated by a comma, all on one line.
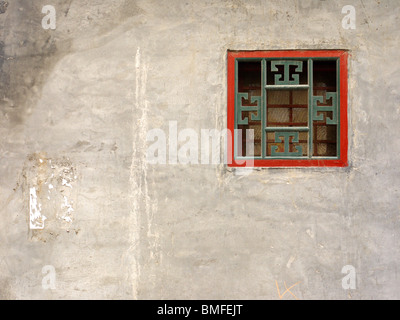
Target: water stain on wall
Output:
[(3, 6)]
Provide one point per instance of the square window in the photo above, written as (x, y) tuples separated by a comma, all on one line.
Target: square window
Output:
[(288, 108)]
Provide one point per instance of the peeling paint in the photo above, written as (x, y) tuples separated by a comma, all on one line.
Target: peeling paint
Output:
[(66, 183), (67, 210), (51, 191), (36, 221)]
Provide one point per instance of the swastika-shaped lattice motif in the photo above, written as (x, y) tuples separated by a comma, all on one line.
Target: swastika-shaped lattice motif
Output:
[(284, 79), (333, 108), (286, 140), (241, 108)]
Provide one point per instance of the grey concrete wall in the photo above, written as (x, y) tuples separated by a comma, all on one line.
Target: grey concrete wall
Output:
[(77, 102)]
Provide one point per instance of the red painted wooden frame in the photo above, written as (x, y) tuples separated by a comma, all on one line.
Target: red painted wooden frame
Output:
[(342, 55)]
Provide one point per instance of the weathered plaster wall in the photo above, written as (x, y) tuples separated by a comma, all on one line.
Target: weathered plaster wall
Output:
[(77, 102)]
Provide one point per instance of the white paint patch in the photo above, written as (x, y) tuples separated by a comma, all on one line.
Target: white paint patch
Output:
[(68, 210), (138, 171), (67, 205), (67, 219), (66, 184), (36, 219)]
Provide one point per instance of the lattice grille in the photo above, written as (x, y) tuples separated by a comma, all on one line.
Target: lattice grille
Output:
[(292, 106)]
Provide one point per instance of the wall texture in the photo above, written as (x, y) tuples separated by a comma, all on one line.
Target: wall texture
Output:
[(77, 102)]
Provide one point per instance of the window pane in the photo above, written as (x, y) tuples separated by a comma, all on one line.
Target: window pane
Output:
[(325, 120), (249, 100), (287, 108)]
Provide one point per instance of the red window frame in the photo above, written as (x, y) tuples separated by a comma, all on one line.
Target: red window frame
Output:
[(342, 161)]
